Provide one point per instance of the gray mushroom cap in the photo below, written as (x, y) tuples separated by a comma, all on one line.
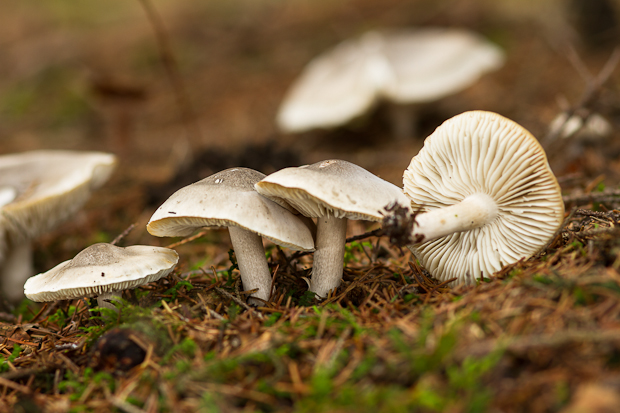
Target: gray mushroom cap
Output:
[(333, 187), (99, 269), (39, 189), (484, 154), (225, 199)]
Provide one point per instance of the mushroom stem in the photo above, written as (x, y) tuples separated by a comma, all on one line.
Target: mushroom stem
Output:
[(331, 237), (253, 266), (472, 212), (103, 300), (403, 121), (16, 269)]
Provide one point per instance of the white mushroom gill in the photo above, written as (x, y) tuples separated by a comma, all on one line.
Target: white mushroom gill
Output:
[(489, 195)]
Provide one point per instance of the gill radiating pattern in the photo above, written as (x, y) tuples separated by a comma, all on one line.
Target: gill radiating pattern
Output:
[(482, 152)]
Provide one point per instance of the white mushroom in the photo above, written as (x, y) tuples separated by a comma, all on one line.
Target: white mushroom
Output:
[(584, 127), (228, 199), (404, 67), (102, 271), (331, 191), (38, 190), (489, 196)]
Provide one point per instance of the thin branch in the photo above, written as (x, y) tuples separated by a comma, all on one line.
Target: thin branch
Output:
[(123, 234), (186, 240), (171, 68)]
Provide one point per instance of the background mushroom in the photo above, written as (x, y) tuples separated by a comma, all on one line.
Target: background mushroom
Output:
[(228, 199), (487, 194), (331, 191), (102, 271), (403, 67), (39, 190)]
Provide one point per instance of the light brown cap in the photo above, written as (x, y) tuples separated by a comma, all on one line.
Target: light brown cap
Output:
[(484, 153), (334, 187), (99, 269), (228, 198)]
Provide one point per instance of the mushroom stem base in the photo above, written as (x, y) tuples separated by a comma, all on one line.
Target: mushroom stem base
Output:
[(253, 266), (329, 255), (16, 269)]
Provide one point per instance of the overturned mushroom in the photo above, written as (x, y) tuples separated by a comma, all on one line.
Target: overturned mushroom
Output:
[(38, 190), (487, 194), (228, 199), (103, 271), (331, 191)]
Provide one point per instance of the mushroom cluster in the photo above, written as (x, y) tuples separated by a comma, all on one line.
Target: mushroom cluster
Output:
[(404, 67), (480, 190)]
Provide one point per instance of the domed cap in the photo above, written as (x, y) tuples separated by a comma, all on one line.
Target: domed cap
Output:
[(39, 189), (225, 199), (484, 153), (335, 187), (99, 269)]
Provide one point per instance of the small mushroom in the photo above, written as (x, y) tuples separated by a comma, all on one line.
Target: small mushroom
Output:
[(331, 191), (39, 190), (583, 127), (487, 194), (403, 67), (103, 271), (228, 199)]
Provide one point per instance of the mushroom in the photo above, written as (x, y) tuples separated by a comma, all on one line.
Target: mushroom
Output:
[(102, 271), (403, 67), (487, 194), (228, 199), (38, 190), (583, 127), (331, 191)]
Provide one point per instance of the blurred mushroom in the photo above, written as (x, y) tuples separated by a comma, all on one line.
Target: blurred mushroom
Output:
[(103, 271), (403, 67), (38, 190), (488, 197), (582, 126), (228, 199), (331, 191)]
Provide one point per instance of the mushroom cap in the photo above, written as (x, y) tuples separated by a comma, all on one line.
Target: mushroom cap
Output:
[(40, 189), (429, 64), (332, 89), (99, 269), (483, 152), (333, 187), (228, 198), (406, 66)]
